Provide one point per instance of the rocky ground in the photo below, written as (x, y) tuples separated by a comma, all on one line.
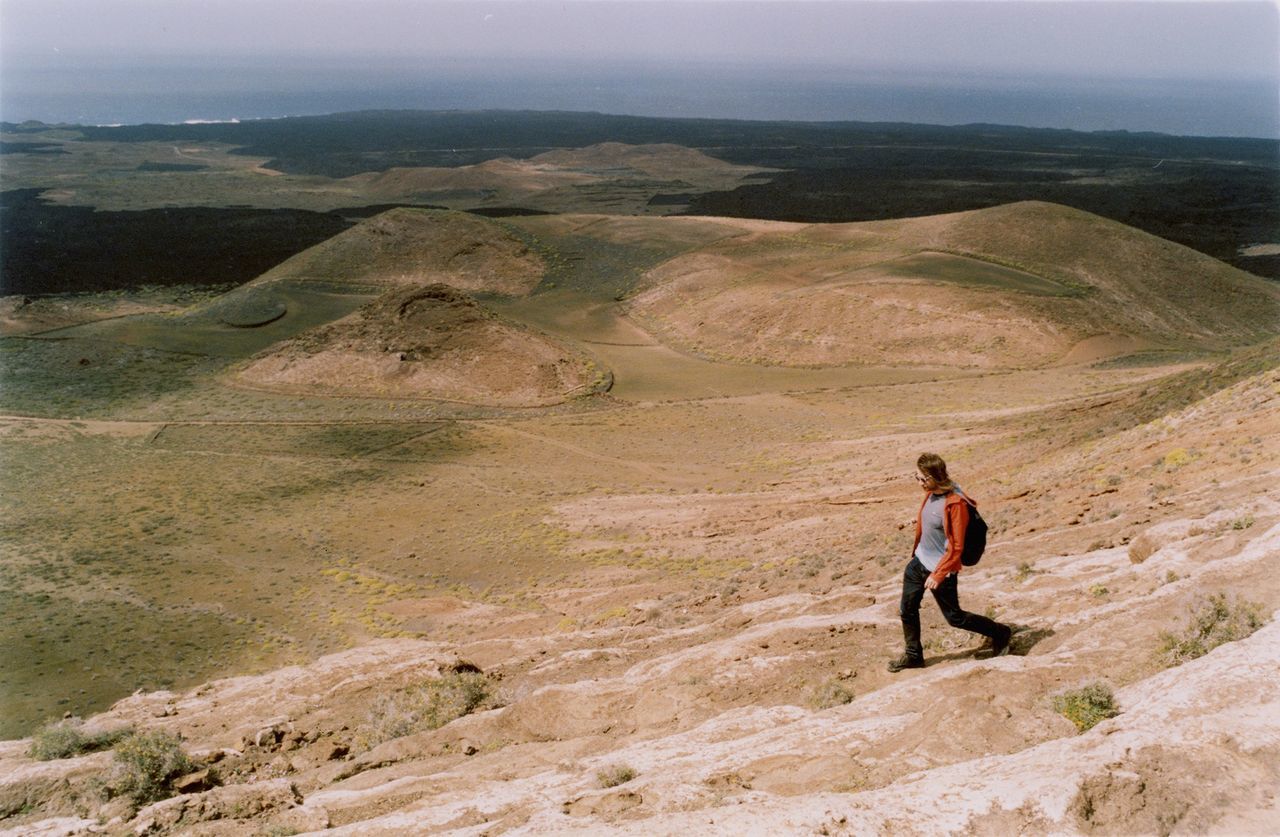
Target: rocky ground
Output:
[(760, 703)]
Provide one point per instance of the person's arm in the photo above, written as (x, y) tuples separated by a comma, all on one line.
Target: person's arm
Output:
[(957, 517)]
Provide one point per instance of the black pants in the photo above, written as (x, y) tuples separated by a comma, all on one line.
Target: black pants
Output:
[(948, 599)]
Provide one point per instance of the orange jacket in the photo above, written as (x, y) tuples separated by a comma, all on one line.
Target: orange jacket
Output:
[(955, 519)]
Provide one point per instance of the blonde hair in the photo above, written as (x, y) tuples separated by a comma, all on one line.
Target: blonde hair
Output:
[(932, 466)]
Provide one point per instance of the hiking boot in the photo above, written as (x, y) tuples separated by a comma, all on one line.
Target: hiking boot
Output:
[(905, 661), (1000, 642)]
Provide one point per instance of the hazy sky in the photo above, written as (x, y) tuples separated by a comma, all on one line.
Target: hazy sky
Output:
[(1195, 40)]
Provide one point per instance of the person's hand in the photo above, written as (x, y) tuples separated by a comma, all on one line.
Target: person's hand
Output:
[(931, 583)]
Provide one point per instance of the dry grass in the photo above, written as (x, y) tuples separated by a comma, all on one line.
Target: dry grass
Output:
[(67, 738), (426, 706), (614, 775), (145, 764), (1212, 622), (1241, 523), (831, 693)]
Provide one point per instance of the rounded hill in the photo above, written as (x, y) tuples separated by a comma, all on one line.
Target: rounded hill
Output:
[(560, 179), (659, 160), (504, 178), (408, 246), (1022, 285), (430, 341)]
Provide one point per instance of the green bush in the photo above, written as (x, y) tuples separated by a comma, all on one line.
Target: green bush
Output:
[(614, 775), (427, 706), (1212, 622), (1087, 706), (67, 738), (145, 764)]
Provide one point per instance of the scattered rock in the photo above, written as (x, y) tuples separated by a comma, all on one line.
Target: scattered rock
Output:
[(165, 711), (465, 667), (303, 818), (336, 750), (200, 780), (268, 737), (233, 802)]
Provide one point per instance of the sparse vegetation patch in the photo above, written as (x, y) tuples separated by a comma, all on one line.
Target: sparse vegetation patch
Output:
[(831, 693), (1086, 707), (968, 269), (66, 738), (146, 762), (614, 775), (426, 706), (1213, 622)]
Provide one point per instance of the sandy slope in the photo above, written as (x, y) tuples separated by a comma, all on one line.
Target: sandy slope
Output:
[(715, 705)]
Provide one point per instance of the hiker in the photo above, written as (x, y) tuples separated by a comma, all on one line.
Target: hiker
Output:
[(935, 564)]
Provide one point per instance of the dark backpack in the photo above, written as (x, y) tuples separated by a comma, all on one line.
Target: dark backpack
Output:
[(975, 538)]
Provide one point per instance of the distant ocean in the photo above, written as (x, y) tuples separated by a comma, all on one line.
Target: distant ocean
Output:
[(102, 92)]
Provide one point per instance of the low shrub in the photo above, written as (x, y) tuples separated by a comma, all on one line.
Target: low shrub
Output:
[(145, 764), (614, 775), (66, 738), (1212, 622), (1087, 706), (831, 693), (426, 706)]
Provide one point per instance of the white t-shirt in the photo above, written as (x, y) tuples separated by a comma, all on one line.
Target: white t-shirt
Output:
[(933, 537)]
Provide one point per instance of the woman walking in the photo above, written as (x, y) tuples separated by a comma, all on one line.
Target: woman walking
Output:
[(935, 564)]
